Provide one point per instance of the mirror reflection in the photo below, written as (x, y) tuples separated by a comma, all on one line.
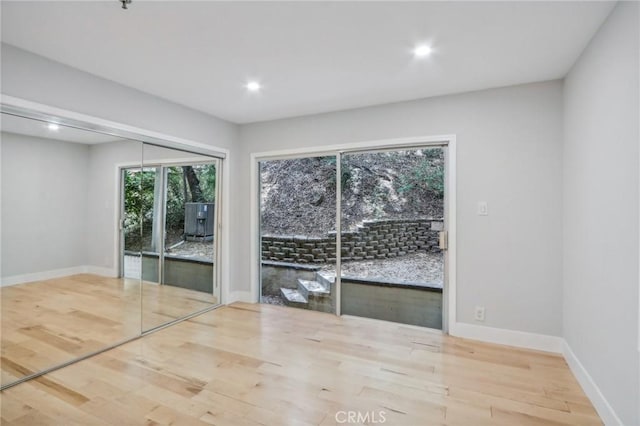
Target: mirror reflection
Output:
[(102, 239), (62, 292), (178, 235)]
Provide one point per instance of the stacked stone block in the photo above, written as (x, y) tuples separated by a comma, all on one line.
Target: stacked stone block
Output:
[(381, 239)]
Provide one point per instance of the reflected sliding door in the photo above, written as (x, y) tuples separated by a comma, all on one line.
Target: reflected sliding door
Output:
[(131, 179), (180, 234)]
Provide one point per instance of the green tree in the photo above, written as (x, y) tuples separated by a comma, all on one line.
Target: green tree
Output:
[(426, 175)]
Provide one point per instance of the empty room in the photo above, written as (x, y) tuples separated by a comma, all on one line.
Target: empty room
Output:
[(320, 213)]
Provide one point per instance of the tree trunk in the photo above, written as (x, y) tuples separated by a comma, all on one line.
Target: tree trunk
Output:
[(185, 192), (194, 184)]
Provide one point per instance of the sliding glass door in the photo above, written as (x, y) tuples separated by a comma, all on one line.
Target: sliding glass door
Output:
[(390, 222)]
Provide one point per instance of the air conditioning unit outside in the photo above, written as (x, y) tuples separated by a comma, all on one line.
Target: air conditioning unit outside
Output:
[(198, 221)]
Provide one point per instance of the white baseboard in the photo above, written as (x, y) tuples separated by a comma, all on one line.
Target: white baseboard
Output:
[(57, 273), (105, 272), (44, 275), (543, 343), (590, 388), (240, 296), (520, 339)]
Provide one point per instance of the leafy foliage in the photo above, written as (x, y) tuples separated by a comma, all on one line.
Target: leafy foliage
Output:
[(139, 188), (426, 175), (207, 175), (136, 201)]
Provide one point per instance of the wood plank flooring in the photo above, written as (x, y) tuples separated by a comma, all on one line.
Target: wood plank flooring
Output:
[(250, 364), (47, 323)]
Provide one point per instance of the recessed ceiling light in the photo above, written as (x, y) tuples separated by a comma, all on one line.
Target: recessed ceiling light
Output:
[(253, 86), (422, 51), (53, 127)]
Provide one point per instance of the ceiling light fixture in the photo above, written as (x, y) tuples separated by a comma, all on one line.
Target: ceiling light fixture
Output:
[(253, 86), (125, 3), (53, 127), (422, 51)]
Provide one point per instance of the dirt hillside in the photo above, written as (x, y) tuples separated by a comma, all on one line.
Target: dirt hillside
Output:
[(299, 196)]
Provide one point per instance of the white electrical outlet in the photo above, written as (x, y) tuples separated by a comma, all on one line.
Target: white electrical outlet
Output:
[(483, 208), (479, 314)]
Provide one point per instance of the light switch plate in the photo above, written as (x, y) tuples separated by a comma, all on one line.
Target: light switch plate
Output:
[(483, 208), (479, 313)]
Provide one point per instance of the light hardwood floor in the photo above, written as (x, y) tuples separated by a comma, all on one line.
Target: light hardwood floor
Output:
[(268, 365), (47, 323)]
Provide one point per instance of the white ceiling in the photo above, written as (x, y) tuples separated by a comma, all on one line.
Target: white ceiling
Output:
[(29, 127), (311, 57)]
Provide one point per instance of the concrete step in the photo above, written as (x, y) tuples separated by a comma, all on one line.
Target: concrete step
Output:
[(327, 279), (311, 289), (292, 297)]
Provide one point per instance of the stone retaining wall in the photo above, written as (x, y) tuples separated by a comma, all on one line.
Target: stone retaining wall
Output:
[(380, 239)]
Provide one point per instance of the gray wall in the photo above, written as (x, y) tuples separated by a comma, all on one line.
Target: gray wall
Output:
[(29, 76), (509, 154), (44, 198), (102, 201), (601, 211)]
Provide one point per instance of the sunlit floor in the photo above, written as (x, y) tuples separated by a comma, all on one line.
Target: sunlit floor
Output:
[(270, 365), (50, 322)]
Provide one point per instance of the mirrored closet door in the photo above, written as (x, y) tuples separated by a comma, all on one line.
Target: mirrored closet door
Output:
[(62, 294), (103, 238)]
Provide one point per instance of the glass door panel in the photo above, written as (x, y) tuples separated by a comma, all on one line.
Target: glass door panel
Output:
[(392, 211), (179, 277), (298, 232), (130, 224), (151, 209), (189, 247)]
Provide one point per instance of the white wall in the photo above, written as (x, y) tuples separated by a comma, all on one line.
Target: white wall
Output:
[(44, 199), (509, 154), (601, 211)]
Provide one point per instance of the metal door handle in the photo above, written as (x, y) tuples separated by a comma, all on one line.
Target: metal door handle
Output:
[(443, 240)]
